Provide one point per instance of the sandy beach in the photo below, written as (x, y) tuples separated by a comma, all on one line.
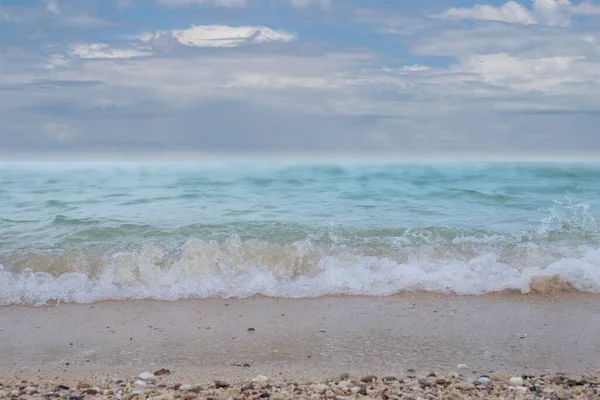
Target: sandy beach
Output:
[(304, 339)]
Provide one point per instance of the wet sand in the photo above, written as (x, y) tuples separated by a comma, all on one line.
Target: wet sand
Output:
[(303, 339)]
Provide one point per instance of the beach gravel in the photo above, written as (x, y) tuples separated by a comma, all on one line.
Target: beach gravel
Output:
[(550, 387)]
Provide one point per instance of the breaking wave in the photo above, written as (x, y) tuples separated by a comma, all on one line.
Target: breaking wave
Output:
[(427, 260)]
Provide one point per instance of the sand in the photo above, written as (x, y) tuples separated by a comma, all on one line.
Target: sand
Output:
[(304, 339)]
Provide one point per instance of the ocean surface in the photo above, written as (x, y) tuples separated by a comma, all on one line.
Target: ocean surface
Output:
[(91, 232)]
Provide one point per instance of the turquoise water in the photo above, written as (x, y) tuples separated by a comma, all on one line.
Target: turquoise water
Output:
[(89, 232)]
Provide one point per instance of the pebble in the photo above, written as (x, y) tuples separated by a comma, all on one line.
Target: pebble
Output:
[(516, 381), (368, 379), (499, 377), (167, 396), (320, 388), (260, 379), (497, 386), (92, 391), (462, 366), (140, 384), (145, 376), (162, 371), (344, 377)]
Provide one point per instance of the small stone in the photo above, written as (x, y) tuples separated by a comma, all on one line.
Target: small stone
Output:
[(91, 391), (363, 391), (484, 380), (221, 384), (499, 377), (320, 388), (31, 391), (557, 379), (388, 379), (140, 384), (464, 386), (516, 381), (344, 377), (260, 379), (369, 379), (82, 385), (62, 387), (442, 382), (146, 376), (462, 366), (186, 388), (423, 382), (162, 371), (167, 396), (521, 389)]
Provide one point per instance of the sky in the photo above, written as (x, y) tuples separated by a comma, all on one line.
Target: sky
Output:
[(398, 79)]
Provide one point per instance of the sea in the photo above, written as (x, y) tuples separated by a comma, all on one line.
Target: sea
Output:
[(88, 232)]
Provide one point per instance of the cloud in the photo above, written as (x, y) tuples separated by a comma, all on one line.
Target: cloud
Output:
[(52, 7), (586, 8), (226, 3), (544, 12), (223, 3), (511, 12), (219, 36), (97, 50), (305, 3)]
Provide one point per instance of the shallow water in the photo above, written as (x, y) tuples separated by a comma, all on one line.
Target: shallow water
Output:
[(89, 232)]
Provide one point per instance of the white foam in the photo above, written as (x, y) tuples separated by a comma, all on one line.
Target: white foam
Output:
[(206, 269)]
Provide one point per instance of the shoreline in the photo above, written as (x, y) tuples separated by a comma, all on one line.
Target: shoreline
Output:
[(308, 339)]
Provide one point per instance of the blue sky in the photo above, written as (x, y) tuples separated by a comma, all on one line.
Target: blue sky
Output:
[(308, 78)]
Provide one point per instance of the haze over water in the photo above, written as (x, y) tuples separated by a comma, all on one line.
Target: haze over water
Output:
[(90, 232)]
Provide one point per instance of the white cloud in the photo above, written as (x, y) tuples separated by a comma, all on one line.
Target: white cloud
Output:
[(415, 68), (223, 3), (545, 12), (510, 12), (220, 35), (306, 3), (527, 74), (586, 8), (98, 50), (278, 81), (52, 7)]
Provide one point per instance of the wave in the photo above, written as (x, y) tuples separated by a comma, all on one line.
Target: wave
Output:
[(236, 268)]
